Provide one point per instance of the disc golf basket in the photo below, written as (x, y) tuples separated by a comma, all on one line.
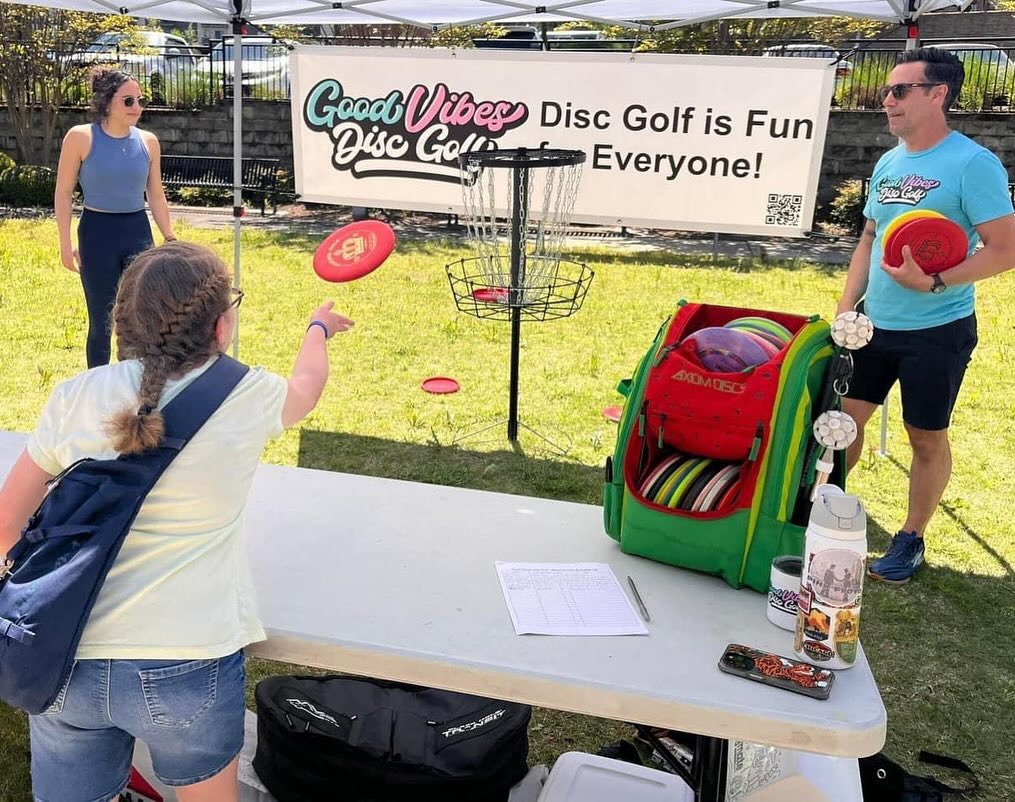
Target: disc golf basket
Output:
[(518, 204)]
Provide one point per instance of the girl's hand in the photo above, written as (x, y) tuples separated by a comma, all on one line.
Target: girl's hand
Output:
[(332, 321)]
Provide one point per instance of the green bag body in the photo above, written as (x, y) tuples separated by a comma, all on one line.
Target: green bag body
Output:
[(768, 514)]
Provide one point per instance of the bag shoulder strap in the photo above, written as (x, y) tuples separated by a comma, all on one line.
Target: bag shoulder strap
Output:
[(197, 402), (954, 764)]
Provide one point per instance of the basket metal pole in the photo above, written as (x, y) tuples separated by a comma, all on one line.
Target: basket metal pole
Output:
[(520, 178)]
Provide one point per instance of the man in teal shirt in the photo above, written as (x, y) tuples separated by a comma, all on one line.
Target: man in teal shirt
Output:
[(925, 326)]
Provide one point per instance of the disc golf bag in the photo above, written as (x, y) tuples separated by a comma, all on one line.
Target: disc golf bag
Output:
[(884, 780), (365, 740), (759, 419)]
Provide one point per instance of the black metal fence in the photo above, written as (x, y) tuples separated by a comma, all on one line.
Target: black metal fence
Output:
[(861, 69), (176, 74)]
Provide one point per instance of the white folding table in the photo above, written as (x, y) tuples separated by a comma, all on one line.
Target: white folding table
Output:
[(396, 580)]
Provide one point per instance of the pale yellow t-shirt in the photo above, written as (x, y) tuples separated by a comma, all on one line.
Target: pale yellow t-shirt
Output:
[(180, 587)]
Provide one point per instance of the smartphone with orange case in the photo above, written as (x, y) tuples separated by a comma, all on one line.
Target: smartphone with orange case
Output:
[(779, 672)]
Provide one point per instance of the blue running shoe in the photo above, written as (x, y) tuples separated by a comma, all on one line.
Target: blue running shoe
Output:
[(904, 556)]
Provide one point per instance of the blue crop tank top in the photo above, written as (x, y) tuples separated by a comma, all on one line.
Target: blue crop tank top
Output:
[(114, 174)]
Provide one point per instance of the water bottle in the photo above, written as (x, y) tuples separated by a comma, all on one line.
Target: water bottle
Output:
[(831, 583)]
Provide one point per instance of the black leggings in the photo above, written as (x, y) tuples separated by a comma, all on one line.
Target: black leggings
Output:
[(107, 242)]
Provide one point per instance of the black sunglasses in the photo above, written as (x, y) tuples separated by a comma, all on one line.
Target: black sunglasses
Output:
[(899, 91), (237, 297), (129, 101)]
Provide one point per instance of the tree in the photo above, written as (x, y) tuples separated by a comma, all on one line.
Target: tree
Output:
[(36, 73)]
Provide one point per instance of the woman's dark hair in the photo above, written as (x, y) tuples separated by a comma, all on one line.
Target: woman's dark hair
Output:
[(167, 304), (105, 84), (940, 67)]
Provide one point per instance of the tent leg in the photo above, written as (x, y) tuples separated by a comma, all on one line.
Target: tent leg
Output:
[(237, 167)]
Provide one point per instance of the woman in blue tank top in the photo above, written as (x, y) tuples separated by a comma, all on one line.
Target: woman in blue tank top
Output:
[(117, 164)]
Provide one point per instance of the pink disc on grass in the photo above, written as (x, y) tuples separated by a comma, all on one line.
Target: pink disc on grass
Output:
[(613, 413), (440, 385)]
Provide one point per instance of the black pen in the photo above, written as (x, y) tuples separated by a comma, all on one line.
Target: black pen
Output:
[(637, 597)]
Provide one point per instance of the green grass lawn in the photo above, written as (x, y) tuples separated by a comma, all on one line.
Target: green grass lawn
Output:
[(939, 648)]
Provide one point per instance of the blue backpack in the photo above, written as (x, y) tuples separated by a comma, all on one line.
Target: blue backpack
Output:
[(53, 574)]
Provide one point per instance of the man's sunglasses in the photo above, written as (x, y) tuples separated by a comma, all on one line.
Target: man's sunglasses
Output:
[(130, 100), (237, 294), (899, 91)]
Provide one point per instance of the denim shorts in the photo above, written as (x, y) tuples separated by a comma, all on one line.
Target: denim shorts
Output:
[(189, 713)]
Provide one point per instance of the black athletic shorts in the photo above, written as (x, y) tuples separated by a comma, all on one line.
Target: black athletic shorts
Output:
[(928, 364)]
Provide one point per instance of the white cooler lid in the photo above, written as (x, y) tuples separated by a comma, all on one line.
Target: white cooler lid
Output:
[(580, 777)]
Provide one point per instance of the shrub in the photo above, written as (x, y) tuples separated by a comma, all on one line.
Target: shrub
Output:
[(27, 185), (848, 204), (6, 162)]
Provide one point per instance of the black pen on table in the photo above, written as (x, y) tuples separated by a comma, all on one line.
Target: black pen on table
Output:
[(637, 597)]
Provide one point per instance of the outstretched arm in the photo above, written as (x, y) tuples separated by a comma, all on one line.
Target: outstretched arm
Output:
[(310, 372)]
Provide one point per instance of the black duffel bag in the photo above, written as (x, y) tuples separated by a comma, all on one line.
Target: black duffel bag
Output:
[(363, 740)]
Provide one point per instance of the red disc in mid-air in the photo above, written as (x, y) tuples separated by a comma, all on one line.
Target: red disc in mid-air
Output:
[(937, 244), (354, 250)]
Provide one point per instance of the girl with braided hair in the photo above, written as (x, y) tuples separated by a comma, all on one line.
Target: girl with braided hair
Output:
[(161, 657), (117, 164)]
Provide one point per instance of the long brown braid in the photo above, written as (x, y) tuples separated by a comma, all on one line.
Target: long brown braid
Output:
[(167, 304)]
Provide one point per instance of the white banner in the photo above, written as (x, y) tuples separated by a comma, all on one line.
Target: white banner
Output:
[(697, 143)]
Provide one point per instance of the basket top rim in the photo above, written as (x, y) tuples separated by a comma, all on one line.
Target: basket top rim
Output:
[(522, 157)]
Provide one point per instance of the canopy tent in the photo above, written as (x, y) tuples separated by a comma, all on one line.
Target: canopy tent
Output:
[(640, 15), (444, 13)]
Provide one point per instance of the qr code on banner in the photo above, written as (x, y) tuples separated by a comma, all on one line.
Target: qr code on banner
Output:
[(783, 210)]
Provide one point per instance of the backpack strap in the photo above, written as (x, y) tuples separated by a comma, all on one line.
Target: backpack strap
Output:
[(954, 764), (189, 411)]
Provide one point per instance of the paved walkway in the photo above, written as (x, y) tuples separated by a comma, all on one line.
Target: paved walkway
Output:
[(321, 222), (821, 249)]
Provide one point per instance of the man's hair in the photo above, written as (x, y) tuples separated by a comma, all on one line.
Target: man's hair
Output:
[(939, 67)]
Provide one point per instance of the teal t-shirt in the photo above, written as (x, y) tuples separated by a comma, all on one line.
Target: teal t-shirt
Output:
[(958, 178)]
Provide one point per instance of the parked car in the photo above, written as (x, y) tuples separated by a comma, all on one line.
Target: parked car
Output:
[(990, 74), (147, 54), (264, 62), (843, 69)]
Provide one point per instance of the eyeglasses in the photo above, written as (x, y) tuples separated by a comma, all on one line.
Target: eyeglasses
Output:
[(130, 100), (899, 91), (237, 294)]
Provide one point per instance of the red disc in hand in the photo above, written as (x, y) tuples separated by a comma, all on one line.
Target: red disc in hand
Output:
[(937, 244), (354, 250)]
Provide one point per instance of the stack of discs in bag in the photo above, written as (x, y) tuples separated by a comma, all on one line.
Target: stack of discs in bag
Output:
[(719, 349), (693, 484), (773, 335)]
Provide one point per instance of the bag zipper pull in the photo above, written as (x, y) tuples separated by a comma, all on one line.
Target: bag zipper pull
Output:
[(662, 426), (665, 352), (759, 434)]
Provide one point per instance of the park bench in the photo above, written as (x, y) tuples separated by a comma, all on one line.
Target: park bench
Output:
[(259, 176)]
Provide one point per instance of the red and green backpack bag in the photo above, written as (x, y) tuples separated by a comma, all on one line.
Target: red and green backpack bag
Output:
[(712, 471)]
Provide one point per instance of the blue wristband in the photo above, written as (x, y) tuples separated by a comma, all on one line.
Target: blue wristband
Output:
[(324, 328)]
